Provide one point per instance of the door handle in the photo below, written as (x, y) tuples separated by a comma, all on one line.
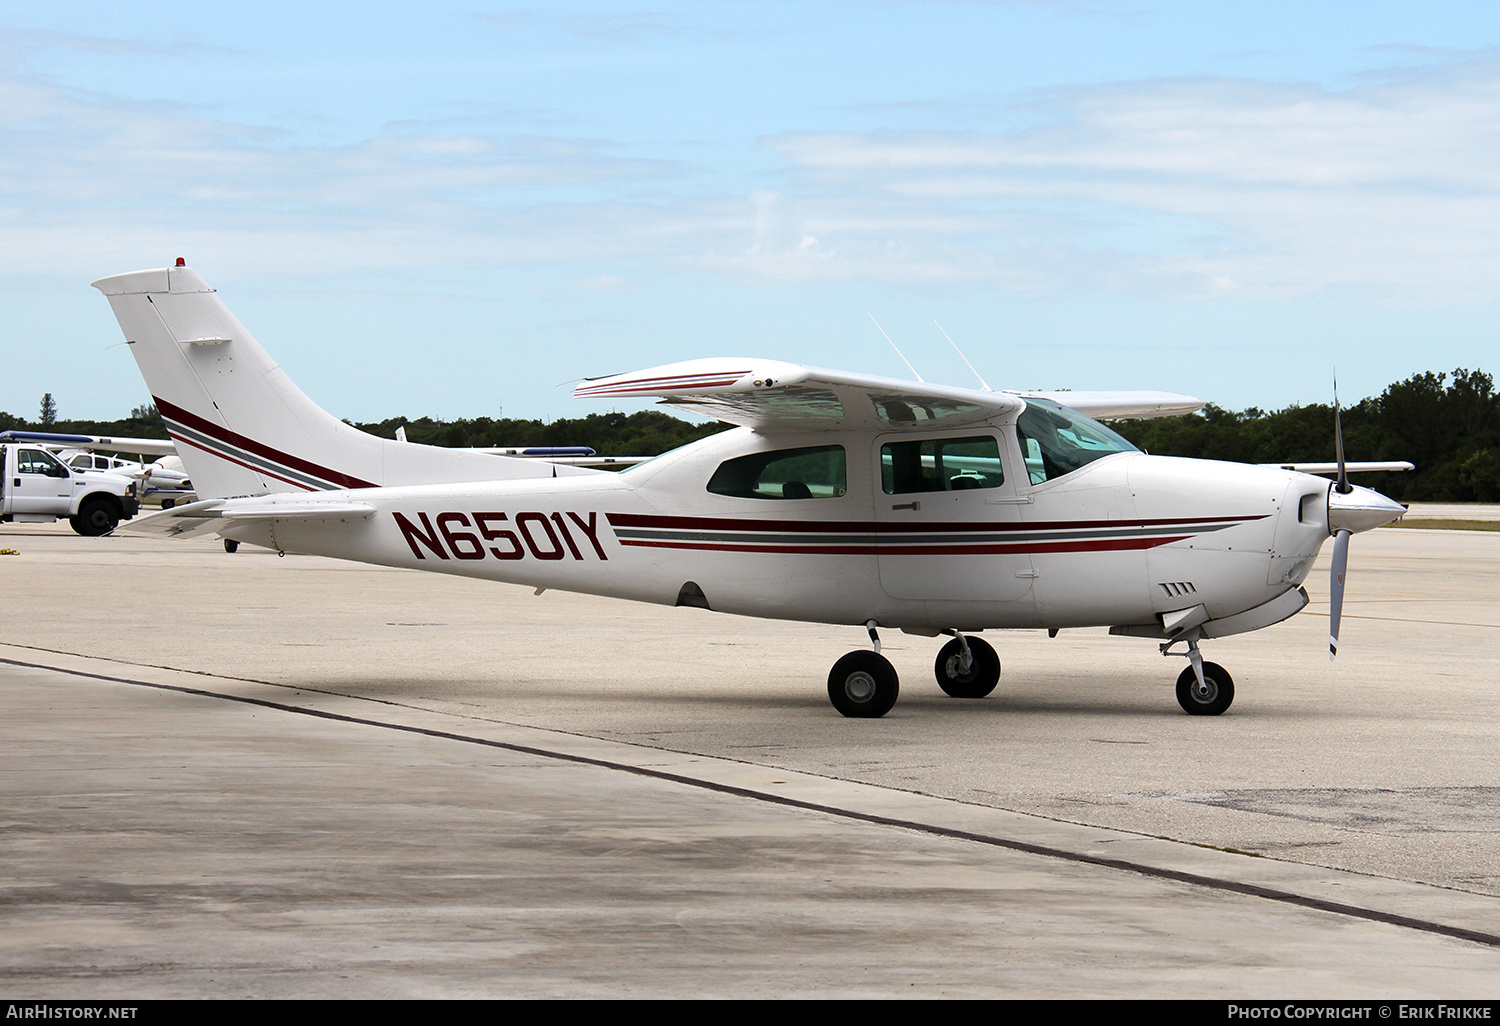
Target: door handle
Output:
[(908, 505)]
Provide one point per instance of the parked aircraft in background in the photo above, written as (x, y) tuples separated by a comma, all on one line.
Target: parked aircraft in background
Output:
[(841, 498), (163, 479)]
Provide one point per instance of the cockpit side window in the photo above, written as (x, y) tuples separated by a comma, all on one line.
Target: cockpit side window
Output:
[(817, 472), (1057, 441), (940, 465)]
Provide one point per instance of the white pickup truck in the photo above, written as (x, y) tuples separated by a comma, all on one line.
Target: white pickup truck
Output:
[(36, 487)]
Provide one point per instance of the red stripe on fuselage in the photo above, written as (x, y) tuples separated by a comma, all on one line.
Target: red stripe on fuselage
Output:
[(229, 437), (881, 527), (1021, 548)]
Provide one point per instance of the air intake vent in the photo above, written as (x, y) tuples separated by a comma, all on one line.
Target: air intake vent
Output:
[(1177, 588)]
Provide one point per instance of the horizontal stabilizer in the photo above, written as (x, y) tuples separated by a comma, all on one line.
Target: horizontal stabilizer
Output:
[(298, 511), (185, 520), (208, 515)]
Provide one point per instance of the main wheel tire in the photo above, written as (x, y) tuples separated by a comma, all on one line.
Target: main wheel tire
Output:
[(1216, 699), (231, 546), (983, 675), (95, 517), (863, 685)]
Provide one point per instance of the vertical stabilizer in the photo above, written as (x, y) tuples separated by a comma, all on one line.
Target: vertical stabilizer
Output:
[(240, 425)]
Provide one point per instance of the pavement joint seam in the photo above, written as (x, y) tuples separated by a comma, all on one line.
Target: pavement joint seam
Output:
[(990, 840)]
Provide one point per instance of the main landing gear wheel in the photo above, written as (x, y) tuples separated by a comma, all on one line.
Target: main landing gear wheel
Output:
[(984, 670), (863, 684), (1210, 700)]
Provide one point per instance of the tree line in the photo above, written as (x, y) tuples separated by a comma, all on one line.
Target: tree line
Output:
[(1447, 424)]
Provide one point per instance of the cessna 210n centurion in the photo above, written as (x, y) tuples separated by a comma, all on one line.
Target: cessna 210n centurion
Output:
[(840, 498)]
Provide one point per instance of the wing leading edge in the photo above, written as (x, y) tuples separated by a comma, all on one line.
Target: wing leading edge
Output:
[(768, 395)]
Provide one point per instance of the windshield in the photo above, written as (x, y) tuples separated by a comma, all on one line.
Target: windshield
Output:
[(1056, 440)]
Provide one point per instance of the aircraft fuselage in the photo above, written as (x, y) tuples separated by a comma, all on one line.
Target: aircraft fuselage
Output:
[(1116, 542)]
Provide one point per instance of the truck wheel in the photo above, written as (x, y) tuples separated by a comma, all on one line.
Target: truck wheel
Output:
[(95, 517)]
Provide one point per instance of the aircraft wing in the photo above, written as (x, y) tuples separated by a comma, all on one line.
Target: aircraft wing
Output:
[(1351, 468), (208, 515), (115, 443), (1122, 405), (566, 455), (768, 396)]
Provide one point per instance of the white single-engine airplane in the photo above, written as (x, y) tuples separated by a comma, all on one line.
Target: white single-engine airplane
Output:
[(840, 499)]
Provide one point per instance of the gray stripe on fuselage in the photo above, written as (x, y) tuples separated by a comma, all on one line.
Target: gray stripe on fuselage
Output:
[(257, 462)]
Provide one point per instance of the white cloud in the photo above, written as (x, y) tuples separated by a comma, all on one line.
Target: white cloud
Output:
[(1181, 187), (88, 173), (1197, 186)]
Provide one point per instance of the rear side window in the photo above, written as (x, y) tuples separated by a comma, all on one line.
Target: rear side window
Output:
[(940, 465), (812, 473)]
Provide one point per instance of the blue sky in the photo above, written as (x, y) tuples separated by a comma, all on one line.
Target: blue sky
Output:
[(449, 209)]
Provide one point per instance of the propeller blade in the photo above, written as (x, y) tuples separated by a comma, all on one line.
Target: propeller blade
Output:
[(1343, 486), (1336, 591)]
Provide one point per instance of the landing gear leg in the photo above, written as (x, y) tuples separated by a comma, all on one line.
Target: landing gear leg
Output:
[(864, 684)]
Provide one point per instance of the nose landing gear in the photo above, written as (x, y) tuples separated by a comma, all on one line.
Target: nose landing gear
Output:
[(1203, 689)]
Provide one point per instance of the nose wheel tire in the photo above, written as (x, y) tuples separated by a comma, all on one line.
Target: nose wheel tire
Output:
[(863, 685), (984, 671), (1205, 701)]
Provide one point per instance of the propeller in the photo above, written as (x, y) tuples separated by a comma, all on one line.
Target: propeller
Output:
[(1340, 538), (1336, 591), (1351, 509)]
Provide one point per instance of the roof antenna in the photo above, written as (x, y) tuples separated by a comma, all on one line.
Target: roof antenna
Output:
[(895, 347), (982, 383)]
